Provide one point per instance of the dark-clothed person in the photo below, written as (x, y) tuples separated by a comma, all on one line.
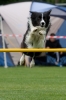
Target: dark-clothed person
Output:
[(54, 43)]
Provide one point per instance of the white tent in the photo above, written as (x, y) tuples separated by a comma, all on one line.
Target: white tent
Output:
[(15, 23), (15, 16)]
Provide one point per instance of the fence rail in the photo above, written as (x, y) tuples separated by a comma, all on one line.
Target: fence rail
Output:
[(33, 50)]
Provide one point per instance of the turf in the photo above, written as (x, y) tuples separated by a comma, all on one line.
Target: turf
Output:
[(38, 83)]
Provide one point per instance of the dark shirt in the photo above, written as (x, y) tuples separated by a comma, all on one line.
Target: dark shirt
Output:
[(54, 44)]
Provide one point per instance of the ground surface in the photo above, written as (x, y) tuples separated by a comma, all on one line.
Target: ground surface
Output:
[(38, 83)]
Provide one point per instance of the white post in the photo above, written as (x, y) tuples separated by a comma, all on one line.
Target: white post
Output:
[(3, 41)]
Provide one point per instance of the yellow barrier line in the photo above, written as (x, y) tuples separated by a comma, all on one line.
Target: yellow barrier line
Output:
[(33, 50)]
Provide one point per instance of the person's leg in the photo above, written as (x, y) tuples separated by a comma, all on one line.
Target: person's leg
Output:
[(57, 59), (54, 58), (51, 59)]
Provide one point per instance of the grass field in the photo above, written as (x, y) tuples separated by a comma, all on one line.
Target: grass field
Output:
[(38, 83)]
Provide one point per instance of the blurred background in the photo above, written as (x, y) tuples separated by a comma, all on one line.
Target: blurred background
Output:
[(3, 2)]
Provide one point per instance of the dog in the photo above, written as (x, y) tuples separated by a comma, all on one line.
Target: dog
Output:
[(35, 36)]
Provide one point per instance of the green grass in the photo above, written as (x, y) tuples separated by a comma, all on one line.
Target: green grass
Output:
[(38, 83)]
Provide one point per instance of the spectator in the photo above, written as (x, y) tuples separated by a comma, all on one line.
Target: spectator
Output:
[(54, 43)]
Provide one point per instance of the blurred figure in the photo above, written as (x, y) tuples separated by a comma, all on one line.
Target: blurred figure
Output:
[(54, 43)]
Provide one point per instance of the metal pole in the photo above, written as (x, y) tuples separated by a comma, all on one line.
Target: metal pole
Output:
[(3, 41)]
